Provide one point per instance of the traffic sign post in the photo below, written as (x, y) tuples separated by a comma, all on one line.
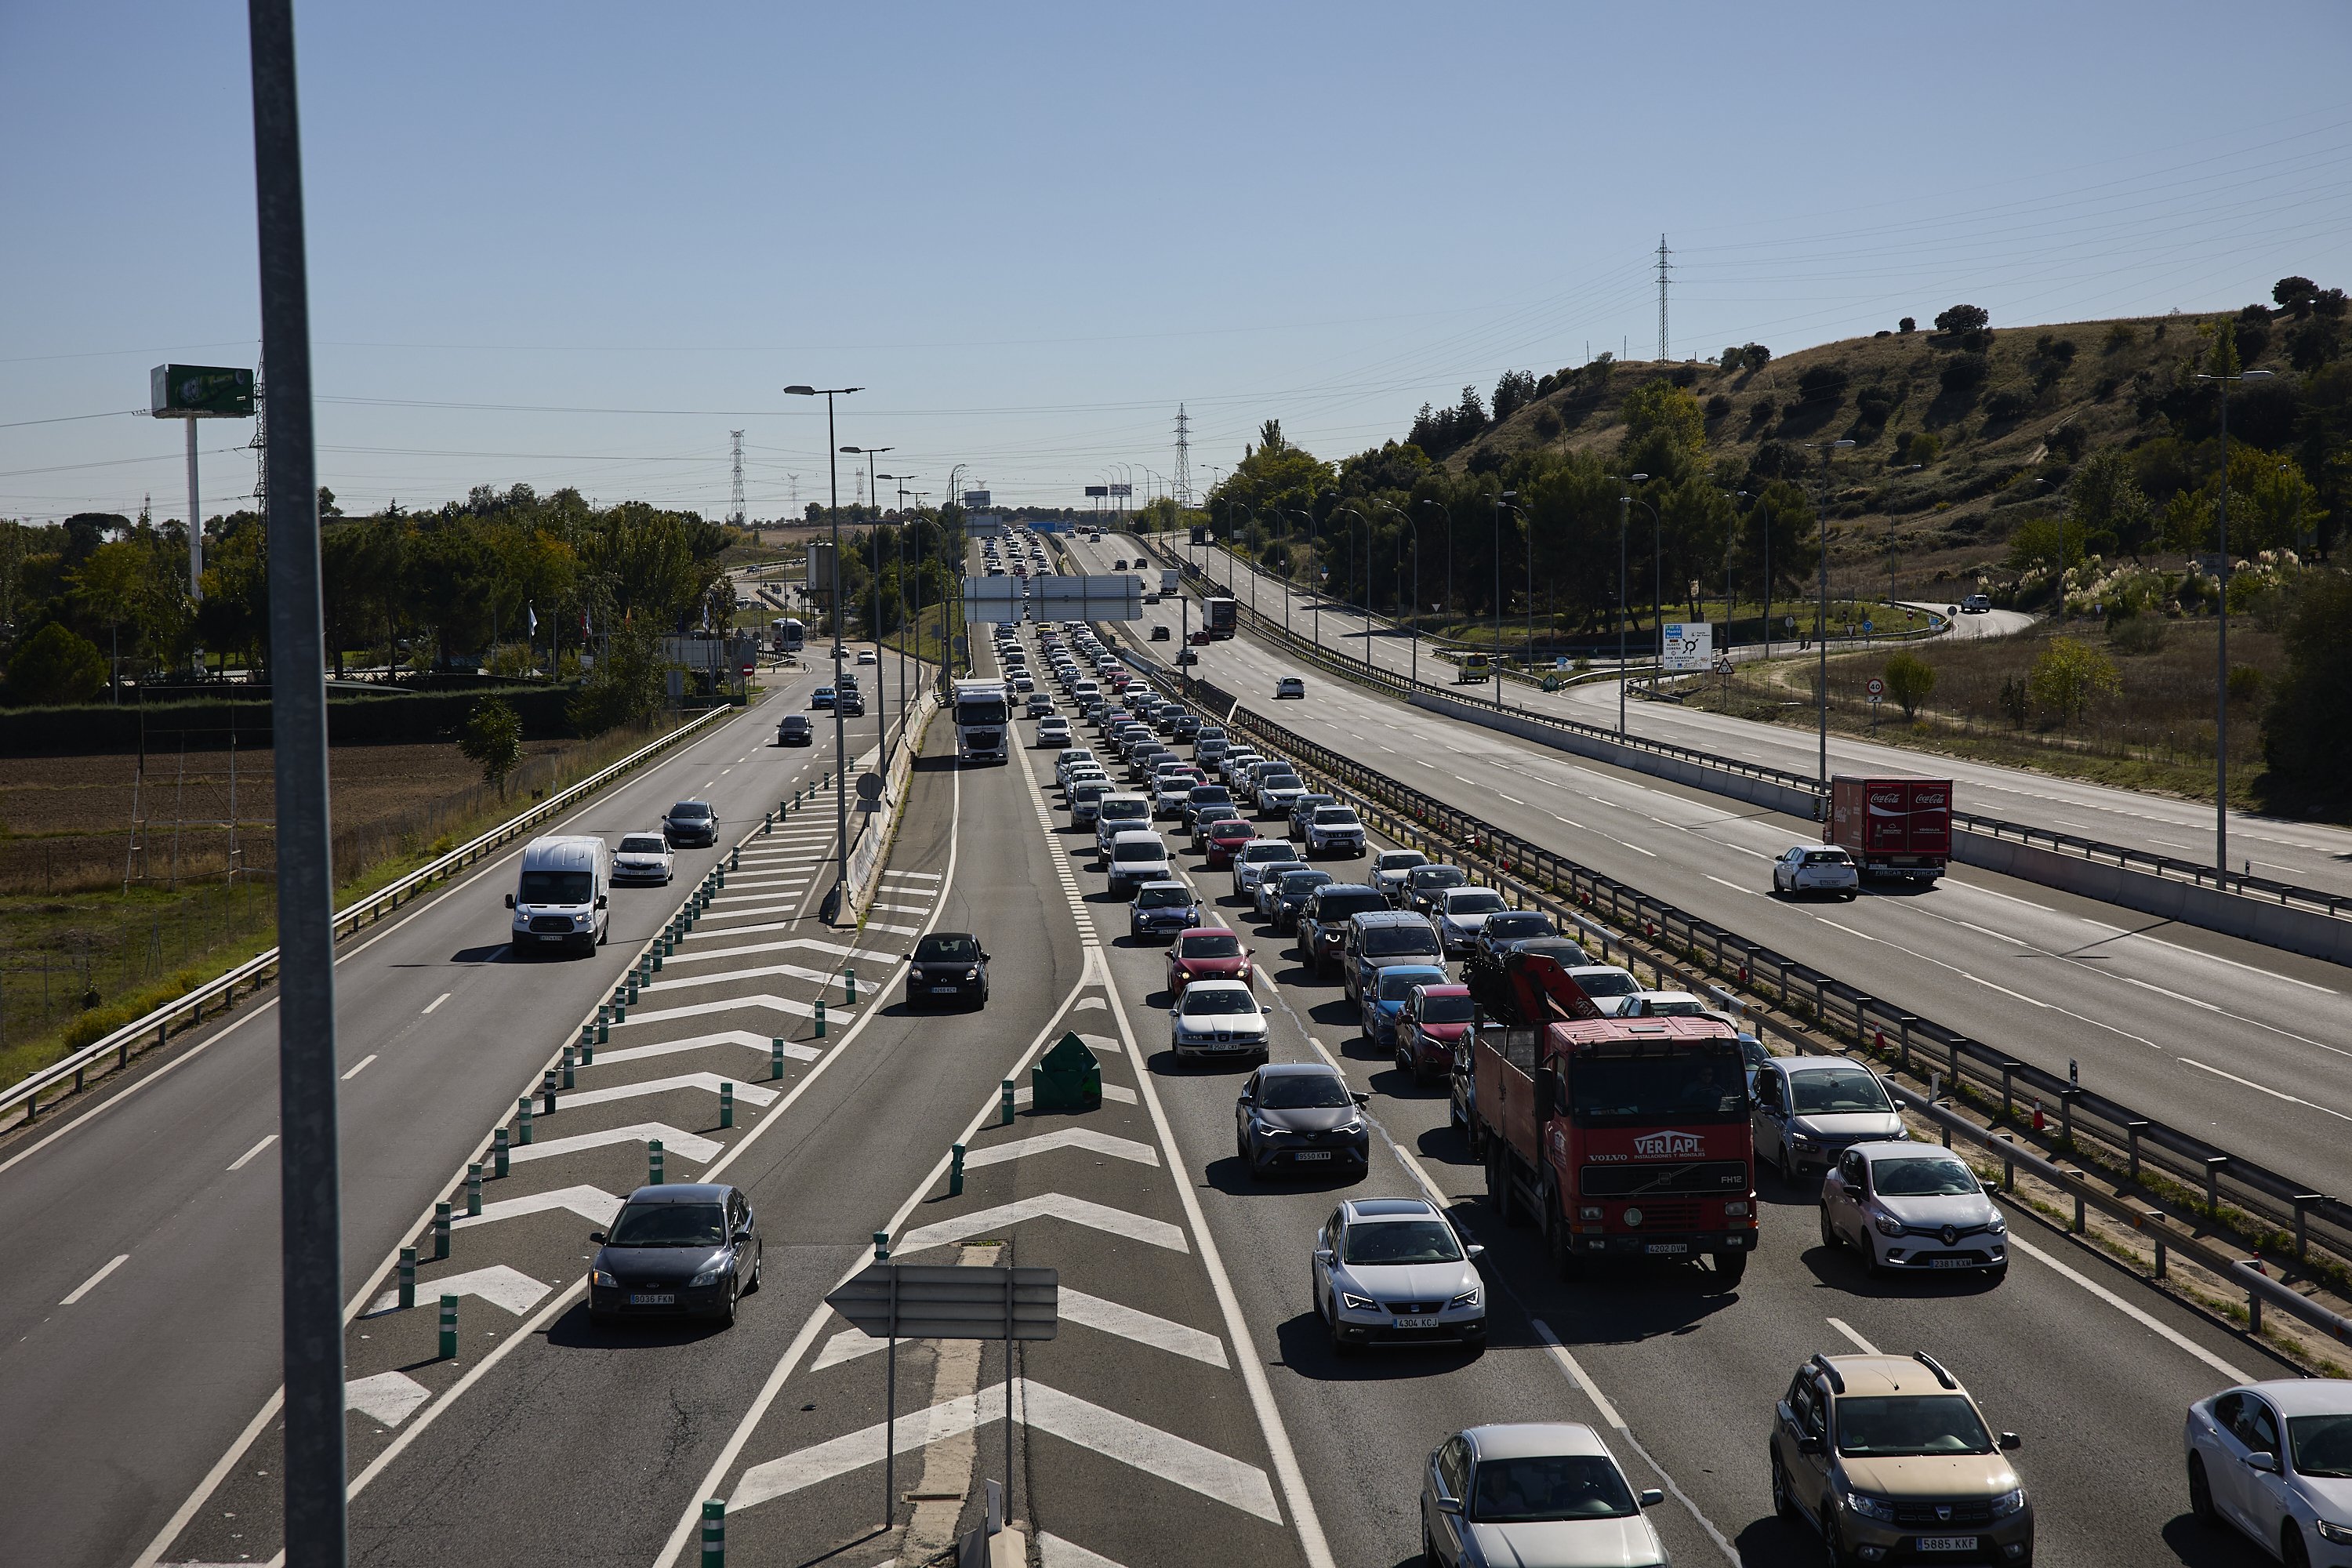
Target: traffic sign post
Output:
[(1876, 688)]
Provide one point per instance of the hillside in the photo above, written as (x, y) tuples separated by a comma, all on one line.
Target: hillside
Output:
[(1962, 436)]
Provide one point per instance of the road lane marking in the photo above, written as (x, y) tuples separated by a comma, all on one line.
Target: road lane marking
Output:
[(239, 1163), (435, 1003), (744, 1037), (388, 1398), (1863, 1345), (503, 1286), (2170, 843), (1076, 1307), (87, 1285), (2238, 1017), (1733, 886), (2145, 1319), (593, 1205), (1848, 930), (359, 1067), (1046, 1205), (2260, 1088), (1515, 800), (711, 1081), (1066, 1138), (764, 999), (685, 1146), (2215, 957), (2004, 990)]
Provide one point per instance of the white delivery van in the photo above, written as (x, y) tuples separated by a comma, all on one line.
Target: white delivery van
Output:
[(560, 899)]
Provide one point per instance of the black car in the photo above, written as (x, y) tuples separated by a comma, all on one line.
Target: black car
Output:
[(1301, 1116), (684, 1250), (690, 822), (1322, 923), (793, 729), (850, 704), (948, 964)]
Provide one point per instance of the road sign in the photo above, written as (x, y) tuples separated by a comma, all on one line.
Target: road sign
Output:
[(1688, 644), (1113, 596), (1103, 490), (1876, 687), (1868, 626), (1122, 491), (975, 499), (200, 392), (869, 792), (993, 599)]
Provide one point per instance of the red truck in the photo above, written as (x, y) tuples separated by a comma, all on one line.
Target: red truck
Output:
[(1892, 828), (1618, 1137)]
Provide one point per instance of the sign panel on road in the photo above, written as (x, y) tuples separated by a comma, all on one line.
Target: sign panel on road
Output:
[(993, 599), (200, 392), (946, 1301), (1113, 596), (869, 787), (1689, 644)]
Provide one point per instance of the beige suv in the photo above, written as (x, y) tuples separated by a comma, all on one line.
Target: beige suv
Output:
[(1892, 1461)]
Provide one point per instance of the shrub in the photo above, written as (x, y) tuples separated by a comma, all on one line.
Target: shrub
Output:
[(1963, 373), (1910, 681), (2007, 405), (1917, 447), (2133, 635), (55, 664), (1548, 423), (1964, 319), (1717, 407), (2245, 682), (2120, 335), (1907, 325), (2066, 443), (1684, 375), (1873, 404), (1754, 356), (2012, 701), (492, 740), (1821, 384), (2307, 729), (2068, 677)]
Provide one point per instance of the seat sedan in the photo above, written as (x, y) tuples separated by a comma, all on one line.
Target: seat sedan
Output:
[(1425, 884), (1533, 1495), (1819, 868), (643, 857), (1254, 860), (1380, 1005), (682, 1249), (948, 965), (1224, 841), (1461, 913), (1206, 953), (1809, 1111), (1289, 686), (2274, 1459), (1912, 1207), (1391, 869), (1218, 1018), (794, 729), (1391, 1271), (1162, 908), (822, 696), (1299, 1116)]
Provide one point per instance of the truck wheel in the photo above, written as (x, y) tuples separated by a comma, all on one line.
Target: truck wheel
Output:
[(1730, 1267)]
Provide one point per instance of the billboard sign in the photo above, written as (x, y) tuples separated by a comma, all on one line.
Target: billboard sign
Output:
[(199, 392), (1098, 490), (993, 599), (1689, 644), (973, 499), (1121, 491)]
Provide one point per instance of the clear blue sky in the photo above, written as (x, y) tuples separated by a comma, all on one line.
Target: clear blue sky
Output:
[(578, 244)]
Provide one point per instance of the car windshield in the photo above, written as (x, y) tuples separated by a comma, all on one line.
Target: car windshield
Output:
[(1396, 986), (2321, 1446), (1401, 859), (1334, 909), (1391, 941), (1682, 1084), (1910, 1424), (1162, 898), (642, 846), (1335, 817), (1603, 982), (1671, 1008), (1275, 849), (1922, 1179), (945, 947), (1223, 944), (670, 1225), (1475, 903), (1302, 1091), (1445, 1009), (1211, 793), (1825, 856), (1294, 882), (1279, 781), (1219, 1002), (1140, 851), (688, 809), (555, 888), (1564, 1485), (1518, 923), (1115, 809), (1426, 877), (1838, 1091), (1403, 1241)]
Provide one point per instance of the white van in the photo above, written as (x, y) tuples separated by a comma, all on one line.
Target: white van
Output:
[(561, 896)]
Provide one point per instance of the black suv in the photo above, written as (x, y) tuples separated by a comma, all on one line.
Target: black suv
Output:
[(690, 823), (1323, 923)]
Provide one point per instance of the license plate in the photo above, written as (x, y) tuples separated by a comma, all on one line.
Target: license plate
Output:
[(1414, 1322), (1667, 1247), (943, 990), (664, 1300), (550, 936), (1314, 1154), (1951, 1263), (1945, 1544)]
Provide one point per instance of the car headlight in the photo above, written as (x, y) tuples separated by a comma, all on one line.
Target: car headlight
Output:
[(971, 974), (1871, 1506), (1590, 1212), (1802, 1139), (2013, 1500), (708, 1276), (1736, 1210), (1352, 1127), (1888, 1225), (598, 1277), (2339, 1533), (1999, 1224), (1356, 1303), (1467, 1299)]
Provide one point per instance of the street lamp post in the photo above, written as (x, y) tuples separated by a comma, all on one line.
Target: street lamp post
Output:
[(899, 551), (1413, 628), (883, 740), (2222, 644), (1626, 503), (1448, 515), (1821, 634), (832, 909), (1503, 499)]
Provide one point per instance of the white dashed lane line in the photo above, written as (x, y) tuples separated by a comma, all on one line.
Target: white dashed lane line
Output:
[(239, 1163), (437, 1002), (87, 1285), (359, 1067)]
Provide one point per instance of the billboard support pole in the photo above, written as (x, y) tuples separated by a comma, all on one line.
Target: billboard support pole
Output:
[(196, 521)]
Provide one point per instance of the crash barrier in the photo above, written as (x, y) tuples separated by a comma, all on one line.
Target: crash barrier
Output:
[(866, 857), (115, 1050), (2139, 1148)]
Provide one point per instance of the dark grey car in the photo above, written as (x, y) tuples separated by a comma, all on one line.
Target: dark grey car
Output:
[(683, 1250), (1808, 1110), (1300, 1116), (691, 823)]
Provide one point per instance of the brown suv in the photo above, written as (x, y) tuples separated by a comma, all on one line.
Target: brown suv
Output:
[(1892, 1461)]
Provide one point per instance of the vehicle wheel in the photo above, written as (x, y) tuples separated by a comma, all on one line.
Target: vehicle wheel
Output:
[(1834, 1551), (1340, 1346), (758, 1265), (1997, 1274), (726, 1310), (2200, 1492), (1429, 1551), (2292, 1552), (1830, 1238), (1783, 1502), (1730, 1269)]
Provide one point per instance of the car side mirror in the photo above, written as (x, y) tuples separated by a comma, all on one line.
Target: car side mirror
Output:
[(984, 956), (1359, 1096), (2011, 1440), (1653, 1497), (597, 1236), (1807, 1442), (1475, 1250), (1325, 1255), (509, 901), (602, 902), (1449, 1505)]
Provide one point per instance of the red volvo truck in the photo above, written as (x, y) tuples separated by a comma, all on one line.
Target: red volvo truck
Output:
[(1618, 1137), (1892, 828)]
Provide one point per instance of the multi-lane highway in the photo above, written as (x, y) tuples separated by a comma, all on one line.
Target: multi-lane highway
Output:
[(2306, 854)]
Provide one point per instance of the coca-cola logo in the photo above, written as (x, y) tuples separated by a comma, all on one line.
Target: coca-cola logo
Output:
[(1886, 797), (1665, 1145), (1930, 798)]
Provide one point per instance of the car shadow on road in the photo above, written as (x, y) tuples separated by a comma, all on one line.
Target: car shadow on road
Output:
[(1306, 1350), (490, 952), (1768, 1542), (574, 1331), (1840, 1270), (1231, 1175)]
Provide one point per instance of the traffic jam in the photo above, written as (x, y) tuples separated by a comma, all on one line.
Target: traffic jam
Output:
[(1625, 1128)]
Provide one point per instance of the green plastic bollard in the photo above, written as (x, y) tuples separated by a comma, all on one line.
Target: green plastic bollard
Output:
[(1004, 1105), (448, 1328), (776, 1057), (653, 1162), (441, 1231), (474, 1189), (714, 1533), (522, 1120), (881, 1246), (604, 1013), (726, 1104), (955, 1172), (567, 1066), (587, 1054), (655, 963), (632, 992), (735, 857), (499, 1151), (820, 1018), (849, 979), (409, 1276), (604, 1033), (546, 1092), (620, 1015)]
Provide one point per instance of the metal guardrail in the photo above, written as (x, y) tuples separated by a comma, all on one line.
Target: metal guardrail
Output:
[(220, 995), (2141, 1149)]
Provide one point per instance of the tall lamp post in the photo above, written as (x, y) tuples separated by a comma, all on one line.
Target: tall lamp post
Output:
[(874, 540), (1821, 634), (1625, 504), (831, 909), (2222, 644), (1367, 521), (900, 552), (1448, 514), (1503, 499), (1413, 628)]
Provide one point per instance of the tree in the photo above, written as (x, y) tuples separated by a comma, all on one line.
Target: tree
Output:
[(2294, 295), (2225, 350), (2105, 503), (1907, 324), (2307, 730), (626, 685), (1754, 356), (1665, 431), (2044, 544), (492, 740), (1963, 320), (1778, 523), (55, 664), (108, 584), (1910, 681), (2068, 677), (1822, 383), (1514, 392)]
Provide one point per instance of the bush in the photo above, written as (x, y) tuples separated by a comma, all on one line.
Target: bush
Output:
[(1822, 383), (1964, 319), (2068, 677), (492, 740), (1874, 404), (2307, 729), (2007, 405), (1907, 325), (2066, 443), (2134, 635), (1717, 407), (1963, 373), (1910, 681), (1548, 423), (2245, 683), (1917, 447), (55, 664)]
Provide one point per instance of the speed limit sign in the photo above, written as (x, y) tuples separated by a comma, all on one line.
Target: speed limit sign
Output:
[(1876, 688)]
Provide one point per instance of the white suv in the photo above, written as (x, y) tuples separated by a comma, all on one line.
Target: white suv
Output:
[(1136, 856)]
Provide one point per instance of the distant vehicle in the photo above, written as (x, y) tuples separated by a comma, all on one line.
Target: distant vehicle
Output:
[(1137, 857), (1384, 939), (1161, 909), (984, 717), (1382, 1005), (1221, 839), (1158, 634), (561, 895), (644, 858), (1323, 921), (1976, 603), (1283, 892), (1809, 1111), (1554, 1482), (1117, 813), (1664, 1005), (1424, 885), (1892, 826), (1473, 671), (1206, 953), (794, 729), (1120, 564), (1289, 686), (1461, 913), (1253, 859), (867, 656), (1301, 1115), (1392, 870), (948, 964), (1188, 656), (690, 822), (1041, 706), (1373, 1256), (1816, 868), (787, 636), (1913, 1206), (1217, 618), (851, 703), (1198, 639), (1335, 830), (1435, 1019), (822, 697), (685, 1249), (1053, 731)]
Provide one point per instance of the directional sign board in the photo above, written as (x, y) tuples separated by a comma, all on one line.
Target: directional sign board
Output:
[(1689, 644), (992, 598), (941, 1301), (1116, 596)]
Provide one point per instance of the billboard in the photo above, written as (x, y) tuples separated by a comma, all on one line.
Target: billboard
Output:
[(1121, 491), (994, 598), (1689, 644), (1098, 490), (199, 392), (975, 499)]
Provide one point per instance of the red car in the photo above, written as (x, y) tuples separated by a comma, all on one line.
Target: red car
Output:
[(1205, 953), (1433, 1022), (1198, 639), (1225, 838)]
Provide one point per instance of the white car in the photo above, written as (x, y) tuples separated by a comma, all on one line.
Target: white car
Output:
[(643, 857), (1661, 1005), (1138, 856), (865, 656), (1462, 914), (1389, 872), (1053, 731), (1289, 686), (1217, 1018), (2275, 1460), (1277, 790), (1117, 813), (1534, 1495), (1816, 868), (1391, 1271), (1334, 830), (1251, 860), (1069, 759), (1610, 986), (1234, 764), (1912, 1207)]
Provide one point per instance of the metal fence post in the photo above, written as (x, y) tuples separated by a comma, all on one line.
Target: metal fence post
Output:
[(2213, 1163)]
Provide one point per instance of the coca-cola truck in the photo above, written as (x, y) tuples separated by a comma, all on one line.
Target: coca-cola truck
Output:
[(1892, 826), (1619, 1137)]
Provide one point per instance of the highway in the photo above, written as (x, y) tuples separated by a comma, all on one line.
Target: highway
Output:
[(2248, 1046), (2311, 854)]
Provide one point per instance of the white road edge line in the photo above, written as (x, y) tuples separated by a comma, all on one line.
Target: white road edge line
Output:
[(239, 1163), (87, 1285), (2145, 1319), (1855, 1339), (435, 1003)]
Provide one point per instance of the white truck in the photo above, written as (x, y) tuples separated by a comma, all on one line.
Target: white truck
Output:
[(983, 721)]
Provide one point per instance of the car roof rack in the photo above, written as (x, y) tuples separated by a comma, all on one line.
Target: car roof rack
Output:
[(1835, 1380), (1932, 1364)]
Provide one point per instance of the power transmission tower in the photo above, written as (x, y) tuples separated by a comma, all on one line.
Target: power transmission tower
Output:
[(261, 445), (737, 517), (1663, 254), (1183, 459)]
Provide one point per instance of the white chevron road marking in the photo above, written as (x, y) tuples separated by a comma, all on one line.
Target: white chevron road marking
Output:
[(1111, 1091), (1046, 1205), (751, 1092), (789, 970), (790, 945), (1065, 1138), (688, 1145), (745, 1037), (1056, 1552), (774, 1004), (1075, 1307), (1041, 1409), (389, 1397), (501, 1286), (592, 1203)]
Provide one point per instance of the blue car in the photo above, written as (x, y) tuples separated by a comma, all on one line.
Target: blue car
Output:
[(821, 698), (1384, 1000)]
